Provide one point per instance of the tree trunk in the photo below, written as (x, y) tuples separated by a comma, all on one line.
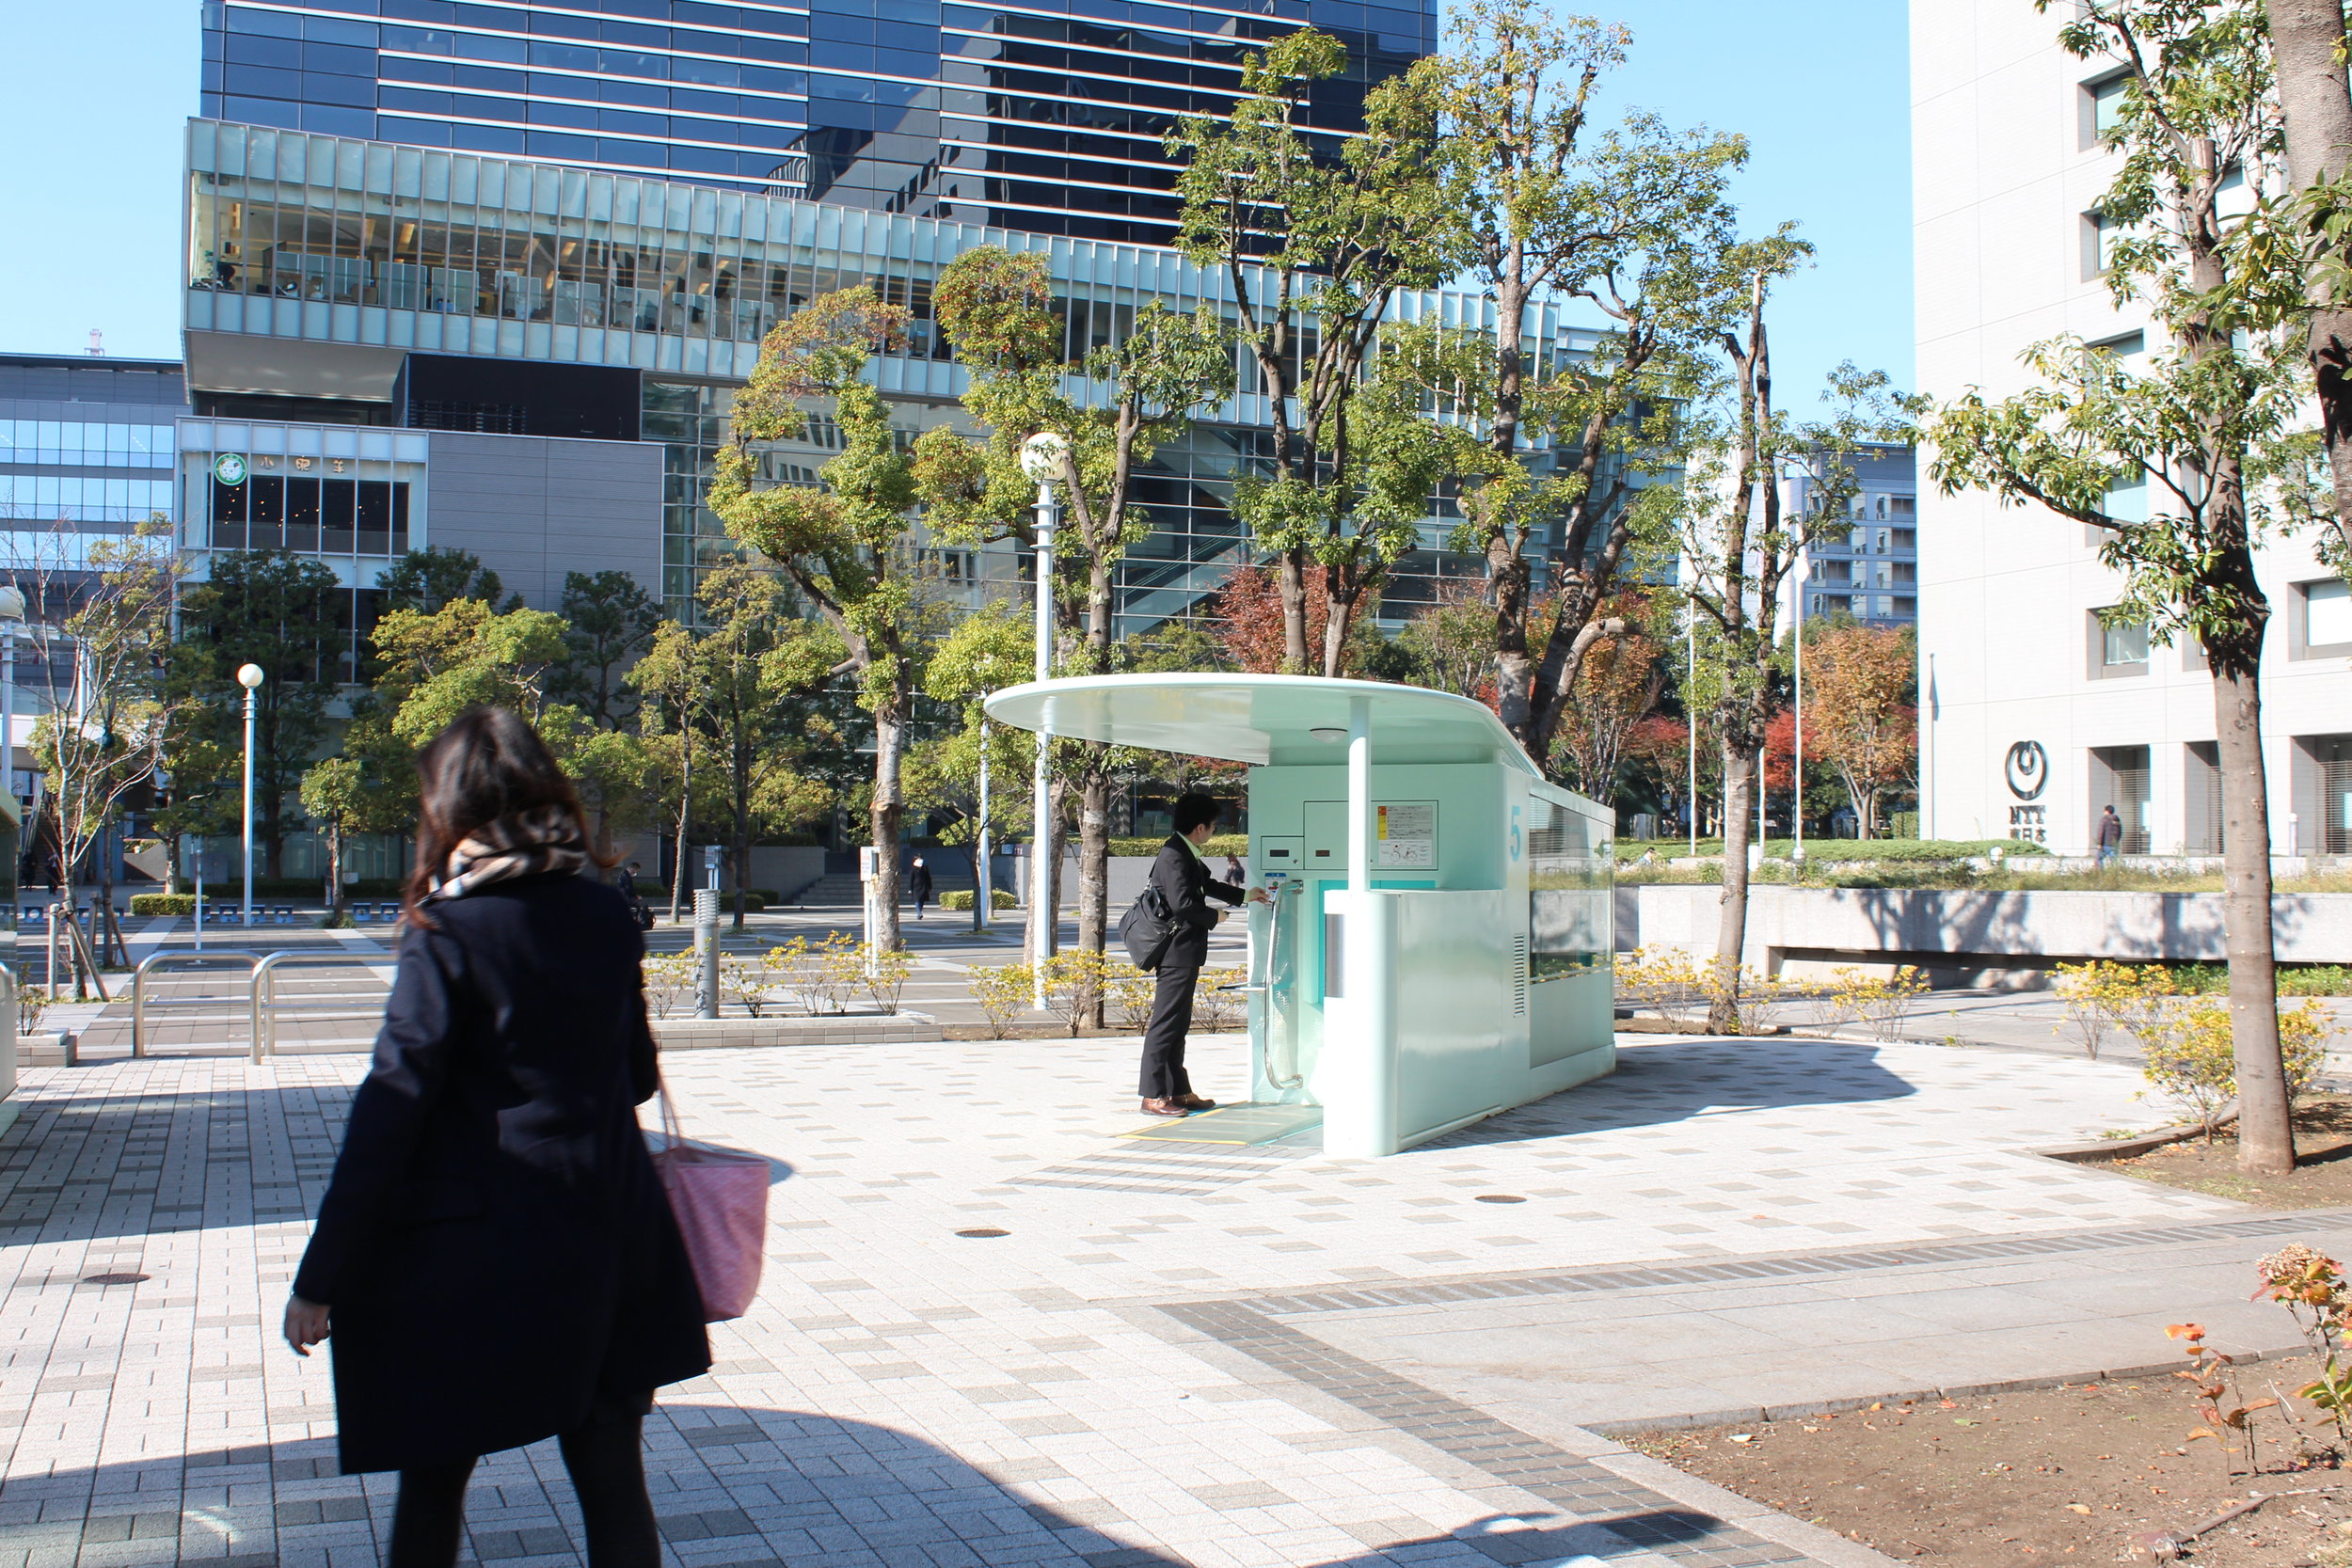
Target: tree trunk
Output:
[(684, 810), (1338, 613), (1094, 851), (1509, 579), (1290, 581), (171, 863), (2266, 1132), (336, 902), (2307, 44), (890, 811), (1731, 933)]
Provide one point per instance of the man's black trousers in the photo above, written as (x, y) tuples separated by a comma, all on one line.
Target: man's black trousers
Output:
[(1164, 1075)]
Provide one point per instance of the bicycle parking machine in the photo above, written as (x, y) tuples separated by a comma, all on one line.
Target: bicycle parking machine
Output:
[(1436, 944)]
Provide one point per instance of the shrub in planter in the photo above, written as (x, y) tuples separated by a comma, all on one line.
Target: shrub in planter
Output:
[(163, 903), (961, 900)]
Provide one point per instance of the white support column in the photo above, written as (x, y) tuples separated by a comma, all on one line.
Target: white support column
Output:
[(1359, 797), (1360, 1099)]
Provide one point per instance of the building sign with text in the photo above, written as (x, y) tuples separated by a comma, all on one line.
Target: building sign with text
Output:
[(2026, 771)]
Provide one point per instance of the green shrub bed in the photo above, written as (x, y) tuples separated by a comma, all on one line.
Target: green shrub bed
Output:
[(961, 900), (1219, 844)]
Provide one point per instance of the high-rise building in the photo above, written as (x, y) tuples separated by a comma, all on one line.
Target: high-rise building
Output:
[(1026, 113), (2037, 710), (85, 454), (340, 282), (1869, 569)]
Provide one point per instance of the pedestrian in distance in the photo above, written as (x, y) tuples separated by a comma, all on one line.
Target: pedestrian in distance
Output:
[(495, 1259), (2110, 837), (919, 885), (1232, 870), (1182, 879), (627, 883)]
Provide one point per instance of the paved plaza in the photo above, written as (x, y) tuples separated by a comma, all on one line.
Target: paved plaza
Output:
[(1149, 1352)]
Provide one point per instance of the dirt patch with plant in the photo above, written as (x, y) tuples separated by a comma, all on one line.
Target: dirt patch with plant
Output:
[(2227, 1461), (2039, 1477), (2321, 1178)]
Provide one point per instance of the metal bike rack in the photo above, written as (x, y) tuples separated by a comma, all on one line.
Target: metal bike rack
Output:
[(140, 1002), (266, 1006)]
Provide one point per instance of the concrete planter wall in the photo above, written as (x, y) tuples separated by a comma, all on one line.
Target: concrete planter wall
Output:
[(1962, 938)]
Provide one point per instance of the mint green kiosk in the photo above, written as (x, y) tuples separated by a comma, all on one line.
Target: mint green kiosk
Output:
[(1437, 946)]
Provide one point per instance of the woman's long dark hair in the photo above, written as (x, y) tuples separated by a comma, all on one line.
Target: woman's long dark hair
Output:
[(489, 764)]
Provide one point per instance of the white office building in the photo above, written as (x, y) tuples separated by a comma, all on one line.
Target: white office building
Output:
[(2036, 715)]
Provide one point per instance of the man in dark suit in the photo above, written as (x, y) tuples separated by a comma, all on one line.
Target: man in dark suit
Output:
[(1182, 878)]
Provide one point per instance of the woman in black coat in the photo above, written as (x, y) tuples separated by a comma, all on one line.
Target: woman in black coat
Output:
[(495, 1256)]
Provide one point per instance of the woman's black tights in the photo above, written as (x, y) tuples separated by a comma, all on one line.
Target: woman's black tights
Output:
[(607, 1471)]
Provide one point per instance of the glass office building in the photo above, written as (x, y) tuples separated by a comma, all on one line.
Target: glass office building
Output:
[(85, 452), (333, 277), (1044, 116)]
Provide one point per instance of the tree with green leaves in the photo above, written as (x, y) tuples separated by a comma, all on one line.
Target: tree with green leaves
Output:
[(345, 795), (1741, 547), (424, 580), (278, 610), (608, 623), (844, 541), (984, 652), (756, 664), (1637, 224), (2204, 423), (200, 784), (438, 664), (996, 308), (1316, 234)]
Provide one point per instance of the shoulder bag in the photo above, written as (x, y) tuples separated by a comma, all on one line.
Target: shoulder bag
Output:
[(721, 1201)]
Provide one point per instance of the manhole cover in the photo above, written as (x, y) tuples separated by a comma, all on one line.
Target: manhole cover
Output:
[(983, 1230), (1500, 1197), (113, 1279)]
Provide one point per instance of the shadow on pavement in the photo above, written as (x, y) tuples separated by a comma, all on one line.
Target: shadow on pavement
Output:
[(732, 1487), (83, 1167), (1677, 1080)]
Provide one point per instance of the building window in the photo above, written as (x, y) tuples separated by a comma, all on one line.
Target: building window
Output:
[(2127, 501), (2325, 612), (2117, 649), (2102, 106), (314, 517), (2100, 232), (1906, 539)]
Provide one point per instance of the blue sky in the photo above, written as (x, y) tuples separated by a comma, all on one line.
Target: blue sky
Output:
[(93, 110)]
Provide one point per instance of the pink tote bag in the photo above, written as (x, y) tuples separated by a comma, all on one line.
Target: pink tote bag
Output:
[(721, 1201)]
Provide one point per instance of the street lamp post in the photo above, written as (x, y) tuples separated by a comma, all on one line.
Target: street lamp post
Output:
[(249, 676), (983, 894), (1044, 458)]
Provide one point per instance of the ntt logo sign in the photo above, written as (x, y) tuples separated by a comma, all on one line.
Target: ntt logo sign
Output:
[(2027, 770)]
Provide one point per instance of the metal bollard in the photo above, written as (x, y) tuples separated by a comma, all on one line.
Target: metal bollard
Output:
[(707, 952)]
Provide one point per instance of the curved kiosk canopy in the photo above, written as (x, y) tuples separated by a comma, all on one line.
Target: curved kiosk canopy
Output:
[(1437, 948)]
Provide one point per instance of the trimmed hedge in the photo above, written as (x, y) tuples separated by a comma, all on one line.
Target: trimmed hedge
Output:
[(1842, 851), (163, 903), (961, 900), (1219, 844)]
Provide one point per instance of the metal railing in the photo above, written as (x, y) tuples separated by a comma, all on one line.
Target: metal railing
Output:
[(141, 1001), (266, 1004)]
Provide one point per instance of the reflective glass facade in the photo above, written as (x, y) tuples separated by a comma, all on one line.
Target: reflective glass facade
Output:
[(85, 452), (334, 242), (1042, 115)]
